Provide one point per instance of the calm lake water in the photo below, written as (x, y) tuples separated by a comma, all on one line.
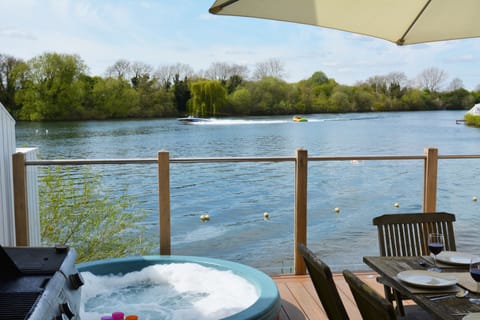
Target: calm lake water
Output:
[(236, 195)]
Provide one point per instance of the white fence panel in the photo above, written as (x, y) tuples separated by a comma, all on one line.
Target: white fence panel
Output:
[(32, 198), (7, 148)]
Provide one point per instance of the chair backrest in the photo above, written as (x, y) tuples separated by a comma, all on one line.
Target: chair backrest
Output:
[(371, 305), (406, 234), (324, 285)]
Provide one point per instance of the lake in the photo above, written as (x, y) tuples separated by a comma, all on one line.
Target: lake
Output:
[(236, 195)]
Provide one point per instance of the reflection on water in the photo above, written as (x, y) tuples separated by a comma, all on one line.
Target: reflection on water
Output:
[(235, 195)]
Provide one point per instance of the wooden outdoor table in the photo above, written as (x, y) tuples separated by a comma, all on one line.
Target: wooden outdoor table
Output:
[(450, 308)]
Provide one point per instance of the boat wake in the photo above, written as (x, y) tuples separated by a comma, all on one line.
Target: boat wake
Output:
[(216, 122), (229, 122)]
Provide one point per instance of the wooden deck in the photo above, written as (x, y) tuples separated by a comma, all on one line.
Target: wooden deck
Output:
[(300, 301)]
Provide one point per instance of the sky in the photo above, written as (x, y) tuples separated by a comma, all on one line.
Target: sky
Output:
[(167, 32)]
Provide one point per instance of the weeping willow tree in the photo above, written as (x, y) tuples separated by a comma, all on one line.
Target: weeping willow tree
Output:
[(207, 98)]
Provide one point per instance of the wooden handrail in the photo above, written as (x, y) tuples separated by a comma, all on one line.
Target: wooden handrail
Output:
[(239, 159)]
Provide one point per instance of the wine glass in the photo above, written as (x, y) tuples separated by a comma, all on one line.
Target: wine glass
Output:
[(475, 273), (435, 245)]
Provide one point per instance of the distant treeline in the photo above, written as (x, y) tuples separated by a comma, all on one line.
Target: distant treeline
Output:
[(56, 86)]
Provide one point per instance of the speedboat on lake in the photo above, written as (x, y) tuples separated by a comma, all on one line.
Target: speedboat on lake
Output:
[(191, 119)]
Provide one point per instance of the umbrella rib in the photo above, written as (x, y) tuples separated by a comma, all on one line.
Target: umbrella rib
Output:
[(401, 41), (217, 9)]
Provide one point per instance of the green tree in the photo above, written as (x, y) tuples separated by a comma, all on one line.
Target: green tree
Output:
[(340, 100), (415, 99), (87, 84), (145, 86), (239, 102), (322, 93), (157, 102), (76, 211), (271, 96), (459, 99), (362, 99), (154, 100), (11, 75), (114, 98), (317, 78), (51, 90), (207, 97), (314, 93), (233, 83), (476, 94), (181, 92), (305, 96)]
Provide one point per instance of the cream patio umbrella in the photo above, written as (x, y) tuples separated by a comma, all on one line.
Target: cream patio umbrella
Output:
[(400, 21)]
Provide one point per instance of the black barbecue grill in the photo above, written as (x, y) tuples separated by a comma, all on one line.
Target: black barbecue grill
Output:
[(39, 283)]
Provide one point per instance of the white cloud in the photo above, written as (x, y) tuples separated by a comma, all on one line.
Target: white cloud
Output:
[(16, 34)]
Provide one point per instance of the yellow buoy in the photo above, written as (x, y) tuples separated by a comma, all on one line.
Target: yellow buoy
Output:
[(396, 205), (474, 199), (337, 210), (266, 215)]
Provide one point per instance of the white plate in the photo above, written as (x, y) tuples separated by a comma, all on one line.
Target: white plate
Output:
[(455, 257), (427, 279), (472, 316)]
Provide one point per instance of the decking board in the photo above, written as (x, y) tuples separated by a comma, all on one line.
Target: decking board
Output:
[(300, 300)]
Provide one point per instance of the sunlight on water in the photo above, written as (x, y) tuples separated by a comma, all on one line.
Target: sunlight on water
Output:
[(167, 291), (202, 233)]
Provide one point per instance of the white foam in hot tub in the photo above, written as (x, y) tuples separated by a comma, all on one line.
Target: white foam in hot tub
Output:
[(167, 291)]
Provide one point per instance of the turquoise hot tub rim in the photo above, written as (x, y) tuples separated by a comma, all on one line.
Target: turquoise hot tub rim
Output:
[(266, 307)]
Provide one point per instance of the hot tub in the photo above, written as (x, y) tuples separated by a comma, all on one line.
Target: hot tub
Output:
[(266, 307)]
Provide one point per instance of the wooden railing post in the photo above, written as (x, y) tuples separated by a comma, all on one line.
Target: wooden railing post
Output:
[(164, 201), (430, 180), (20, 199), (301, 165)]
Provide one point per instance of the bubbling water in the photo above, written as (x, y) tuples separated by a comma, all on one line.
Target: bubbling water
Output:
[(167, 291)]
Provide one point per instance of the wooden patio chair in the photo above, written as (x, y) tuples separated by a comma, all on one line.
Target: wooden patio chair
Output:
[(406, 234), (324, 285), (371, 305)]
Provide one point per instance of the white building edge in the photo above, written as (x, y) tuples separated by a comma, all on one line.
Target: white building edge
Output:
[(7, 211)]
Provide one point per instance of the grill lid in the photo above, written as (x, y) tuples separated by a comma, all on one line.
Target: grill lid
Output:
[(8, 268)]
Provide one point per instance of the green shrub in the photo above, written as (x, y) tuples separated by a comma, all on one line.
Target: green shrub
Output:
[(472, 120), (76, 211)]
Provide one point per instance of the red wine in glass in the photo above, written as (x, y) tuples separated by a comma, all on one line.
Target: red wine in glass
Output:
[(435, 248), (475, 273), (435, 245)]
